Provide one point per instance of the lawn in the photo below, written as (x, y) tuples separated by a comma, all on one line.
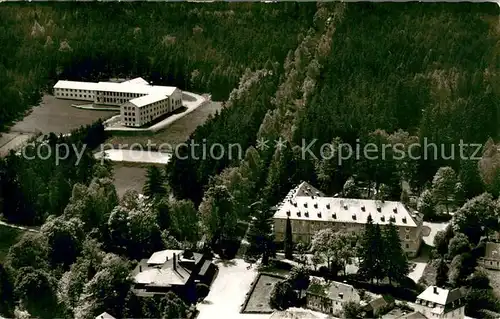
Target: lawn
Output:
[(258, 302), (8, 237)]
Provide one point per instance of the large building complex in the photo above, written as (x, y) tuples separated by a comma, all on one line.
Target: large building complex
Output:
[(140, 103), (309, 211)]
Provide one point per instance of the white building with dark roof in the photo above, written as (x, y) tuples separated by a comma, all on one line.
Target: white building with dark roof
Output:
[(309, 211), (436, 302), (329, 297), (140, 103)]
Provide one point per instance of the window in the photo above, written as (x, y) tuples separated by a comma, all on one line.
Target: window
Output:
[(407, 237), (407, 229), (407, 246)]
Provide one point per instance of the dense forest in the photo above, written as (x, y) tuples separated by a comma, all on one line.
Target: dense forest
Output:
[(336, 72), (204, 48)]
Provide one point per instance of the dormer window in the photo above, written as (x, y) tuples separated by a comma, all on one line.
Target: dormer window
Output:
[(315, 205), (379, 209), (382, 218), (393, 219), (334, 216), (295, 204), (395, 210), (354, 217), (305, 204), (404, 220), (298, 214), (363, 208), (328, 206), (345, 206), (319, 214), (288, 213), (306, 214)]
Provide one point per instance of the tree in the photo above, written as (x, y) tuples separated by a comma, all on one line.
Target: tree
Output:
[(443, 186), (260, 233), (299, 278), (351, 310), (7, 292), (479, 280), (442, 239), (302, 253), (370, 252), (476, 217), (461, 266), (335, 247), (107, 289), (427, 205), (441, 273), (288, 242), (350, 189), (396, 264), (64, 238), (32, 284), (218, 217), (30, 251), (154, 186), (405, 198), (458, 245), (282, 296), (184, 220)]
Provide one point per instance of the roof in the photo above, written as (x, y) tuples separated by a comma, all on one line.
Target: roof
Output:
[(105, 315), (133, 86), (148, 99), (160, 276), (333, 290), (439, 295), (306, 203), (74, 85), (378, 303), (492, 251), (162, 256), (205, 267), (297, 313), (413, 315), (137, 81)]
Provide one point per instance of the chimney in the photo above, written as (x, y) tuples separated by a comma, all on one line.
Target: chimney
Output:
[(174, 261), (435, 290)]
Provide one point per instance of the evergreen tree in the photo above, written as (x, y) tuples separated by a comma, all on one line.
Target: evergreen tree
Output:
[(260, 234), (444, 186), (288, 242), (154, 185), (441, 273), (396, 264), (371, 252)]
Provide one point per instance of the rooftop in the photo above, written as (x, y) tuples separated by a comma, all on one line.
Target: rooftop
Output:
[(333, 290), (307, 203), (439, 295), (137, 85), (297, 313), (413, 315), (105, 315)]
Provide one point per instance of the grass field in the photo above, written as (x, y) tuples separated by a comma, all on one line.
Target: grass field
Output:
[(8, 237)]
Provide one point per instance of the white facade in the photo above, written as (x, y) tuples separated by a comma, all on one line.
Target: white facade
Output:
[(437, 302), (140, 103)]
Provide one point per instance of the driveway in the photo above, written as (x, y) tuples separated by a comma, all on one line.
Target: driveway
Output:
[(228, 292)]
